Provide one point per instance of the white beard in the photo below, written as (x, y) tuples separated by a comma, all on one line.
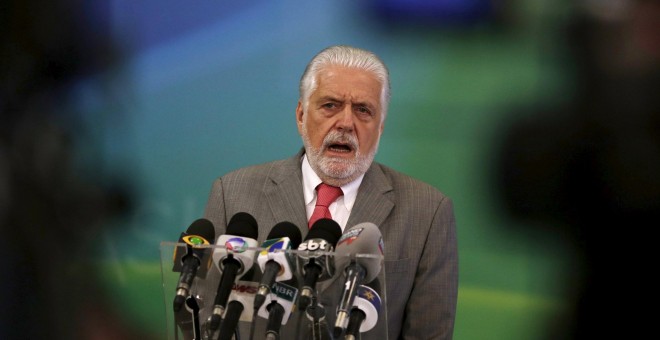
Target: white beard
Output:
[(336, 170)]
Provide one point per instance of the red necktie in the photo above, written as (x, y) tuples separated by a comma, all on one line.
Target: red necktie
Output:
[(326, 194)]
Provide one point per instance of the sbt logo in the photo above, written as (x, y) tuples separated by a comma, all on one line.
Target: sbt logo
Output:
[(315, 244)]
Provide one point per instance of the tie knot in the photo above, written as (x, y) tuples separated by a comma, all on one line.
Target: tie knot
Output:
[(326, 194)]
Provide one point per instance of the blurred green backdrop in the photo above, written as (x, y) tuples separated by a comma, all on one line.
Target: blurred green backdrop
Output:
[(205, 87)]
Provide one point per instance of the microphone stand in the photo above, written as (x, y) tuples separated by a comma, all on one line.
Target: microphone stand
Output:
[(191, 303), (253, 324), (317, 313)]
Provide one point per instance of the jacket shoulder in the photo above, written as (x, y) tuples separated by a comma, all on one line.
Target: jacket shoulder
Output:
[(407, 185)]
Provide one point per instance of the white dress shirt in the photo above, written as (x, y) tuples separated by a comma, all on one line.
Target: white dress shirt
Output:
[(341, 208)]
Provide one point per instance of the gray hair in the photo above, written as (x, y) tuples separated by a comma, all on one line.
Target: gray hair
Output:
[(349, 57)]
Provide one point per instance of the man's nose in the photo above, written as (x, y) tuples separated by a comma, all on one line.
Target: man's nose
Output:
[(345, 119)]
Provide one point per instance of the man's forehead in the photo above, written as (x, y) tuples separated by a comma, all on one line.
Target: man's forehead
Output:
[(336, 72), (342, 91)]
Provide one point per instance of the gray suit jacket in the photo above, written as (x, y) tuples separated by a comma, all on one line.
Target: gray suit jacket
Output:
[(416, 221)]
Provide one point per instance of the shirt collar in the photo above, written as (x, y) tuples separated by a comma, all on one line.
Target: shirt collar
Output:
[(311, 180)]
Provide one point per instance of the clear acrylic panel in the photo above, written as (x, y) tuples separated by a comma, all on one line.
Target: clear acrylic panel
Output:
[(328, 302)]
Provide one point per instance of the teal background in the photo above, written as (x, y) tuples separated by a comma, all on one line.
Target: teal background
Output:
[(206, 87)]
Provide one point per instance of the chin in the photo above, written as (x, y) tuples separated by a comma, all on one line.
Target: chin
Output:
[(340, 171)]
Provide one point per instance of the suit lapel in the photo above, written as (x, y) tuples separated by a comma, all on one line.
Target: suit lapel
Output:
[(373, 204), (284, 193), (374, 200), (285, 198)]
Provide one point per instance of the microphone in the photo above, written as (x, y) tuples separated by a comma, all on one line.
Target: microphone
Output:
[(274, 262), (364, 314), (278, 306), (228, 326), (234, 260), (235, 307), (361, 239), (199, 233), (313, 258)]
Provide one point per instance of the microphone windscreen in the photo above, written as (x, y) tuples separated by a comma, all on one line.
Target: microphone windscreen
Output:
[(244, 225), (364, 238), (375, 285), (286, 229), (325, 229), (200, 228)]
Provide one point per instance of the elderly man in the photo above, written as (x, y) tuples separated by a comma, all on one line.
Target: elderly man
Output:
[(344, 95)]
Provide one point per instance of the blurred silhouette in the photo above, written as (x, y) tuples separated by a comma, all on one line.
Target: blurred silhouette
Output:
[(590, 169), (50, 212)]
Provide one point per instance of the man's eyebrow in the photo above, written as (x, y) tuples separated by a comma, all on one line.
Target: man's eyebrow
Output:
[(365, 104), (328, 97)]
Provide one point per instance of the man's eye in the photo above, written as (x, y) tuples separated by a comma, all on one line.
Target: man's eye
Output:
[(364, 111), (329, 105)]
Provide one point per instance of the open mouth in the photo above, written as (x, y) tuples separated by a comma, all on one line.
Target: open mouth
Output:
[(340, 147)]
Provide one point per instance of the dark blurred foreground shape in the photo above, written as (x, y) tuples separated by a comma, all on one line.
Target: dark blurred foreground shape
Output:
[(590, 169), (51, 214)]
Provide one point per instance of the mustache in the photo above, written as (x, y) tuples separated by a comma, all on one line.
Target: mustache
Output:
[(336, 137)]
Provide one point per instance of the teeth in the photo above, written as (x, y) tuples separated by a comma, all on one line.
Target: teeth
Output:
[(340, 148)]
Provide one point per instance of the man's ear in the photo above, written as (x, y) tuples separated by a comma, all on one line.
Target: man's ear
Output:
[(299, 117)]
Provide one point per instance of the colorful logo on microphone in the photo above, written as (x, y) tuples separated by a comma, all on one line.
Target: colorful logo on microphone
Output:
[(236, 245), (271, 246), (195, 240), (350, 236), (370, 295)]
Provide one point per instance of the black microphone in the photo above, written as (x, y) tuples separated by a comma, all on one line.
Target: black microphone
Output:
[(234, 259), (274, 261), (313, 260), (364, 313), (242, 296), (198, 234), (232, 316), (278, 306), (359, 255), (275, 316)]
